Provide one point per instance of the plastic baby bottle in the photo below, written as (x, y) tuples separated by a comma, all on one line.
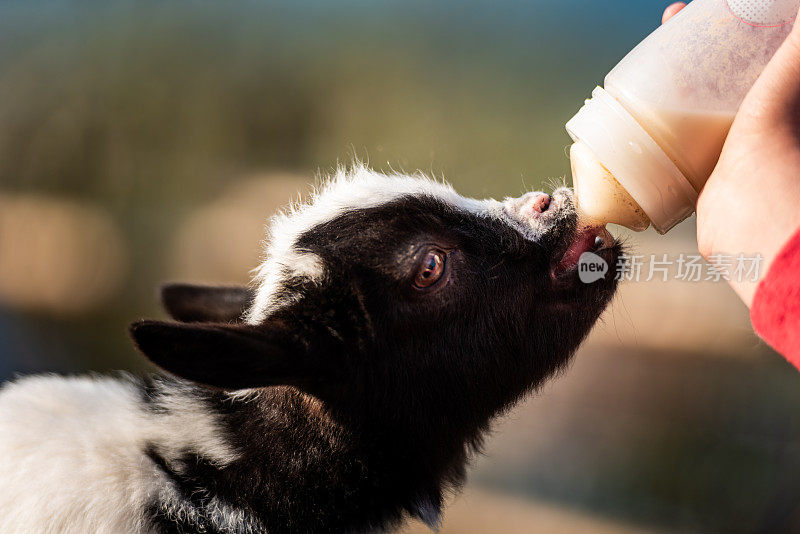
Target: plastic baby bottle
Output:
[(646, 143)]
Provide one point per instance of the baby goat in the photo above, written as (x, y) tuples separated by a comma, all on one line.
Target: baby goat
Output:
[(390, 322)]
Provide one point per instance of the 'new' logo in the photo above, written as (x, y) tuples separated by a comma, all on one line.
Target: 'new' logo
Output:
[(591, 267)]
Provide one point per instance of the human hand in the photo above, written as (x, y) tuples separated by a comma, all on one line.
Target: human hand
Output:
[(751, 202)]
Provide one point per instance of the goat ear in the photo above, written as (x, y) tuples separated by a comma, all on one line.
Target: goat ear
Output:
[(199, 304), (224, 355)]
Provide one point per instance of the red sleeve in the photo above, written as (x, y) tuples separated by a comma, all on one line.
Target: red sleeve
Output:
[(775, 312)]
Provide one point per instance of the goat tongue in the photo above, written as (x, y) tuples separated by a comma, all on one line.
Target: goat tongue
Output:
[(584, 241)]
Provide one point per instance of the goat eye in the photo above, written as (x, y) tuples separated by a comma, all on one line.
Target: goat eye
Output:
[(431, 269)]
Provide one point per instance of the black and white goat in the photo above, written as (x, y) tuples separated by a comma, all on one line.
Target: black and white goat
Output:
[(390, 322)]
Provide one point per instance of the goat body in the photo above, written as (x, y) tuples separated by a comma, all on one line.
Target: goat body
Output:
[(390, 322)]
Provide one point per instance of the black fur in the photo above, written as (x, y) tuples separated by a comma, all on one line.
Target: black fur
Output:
[(189, 303), (371, 394)]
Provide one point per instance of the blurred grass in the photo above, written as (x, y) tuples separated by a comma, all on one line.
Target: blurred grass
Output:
[(481, 511)]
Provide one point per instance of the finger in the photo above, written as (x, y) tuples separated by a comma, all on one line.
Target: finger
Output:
[(776, 93), (671, 11)]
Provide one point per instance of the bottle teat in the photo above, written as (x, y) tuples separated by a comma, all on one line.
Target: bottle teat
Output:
[(599, 197)]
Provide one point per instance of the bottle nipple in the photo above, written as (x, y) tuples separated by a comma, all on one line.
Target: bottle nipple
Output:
[(600, 199)]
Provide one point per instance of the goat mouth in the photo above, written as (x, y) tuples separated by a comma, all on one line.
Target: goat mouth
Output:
[(596, 239)]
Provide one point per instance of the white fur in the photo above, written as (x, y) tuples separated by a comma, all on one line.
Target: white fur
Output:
[(349, 189), (72, 453)]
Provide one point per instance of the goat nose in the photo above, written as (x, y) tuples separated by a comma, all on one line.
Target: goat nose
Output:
[(535, 204)]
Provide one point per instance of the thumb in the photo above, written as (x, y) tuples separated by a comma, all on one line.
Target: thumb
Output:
[(775, 97)]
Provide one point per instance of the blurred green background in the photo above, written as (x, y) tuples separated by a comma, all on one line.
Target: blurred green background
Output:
[(149, 141)]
